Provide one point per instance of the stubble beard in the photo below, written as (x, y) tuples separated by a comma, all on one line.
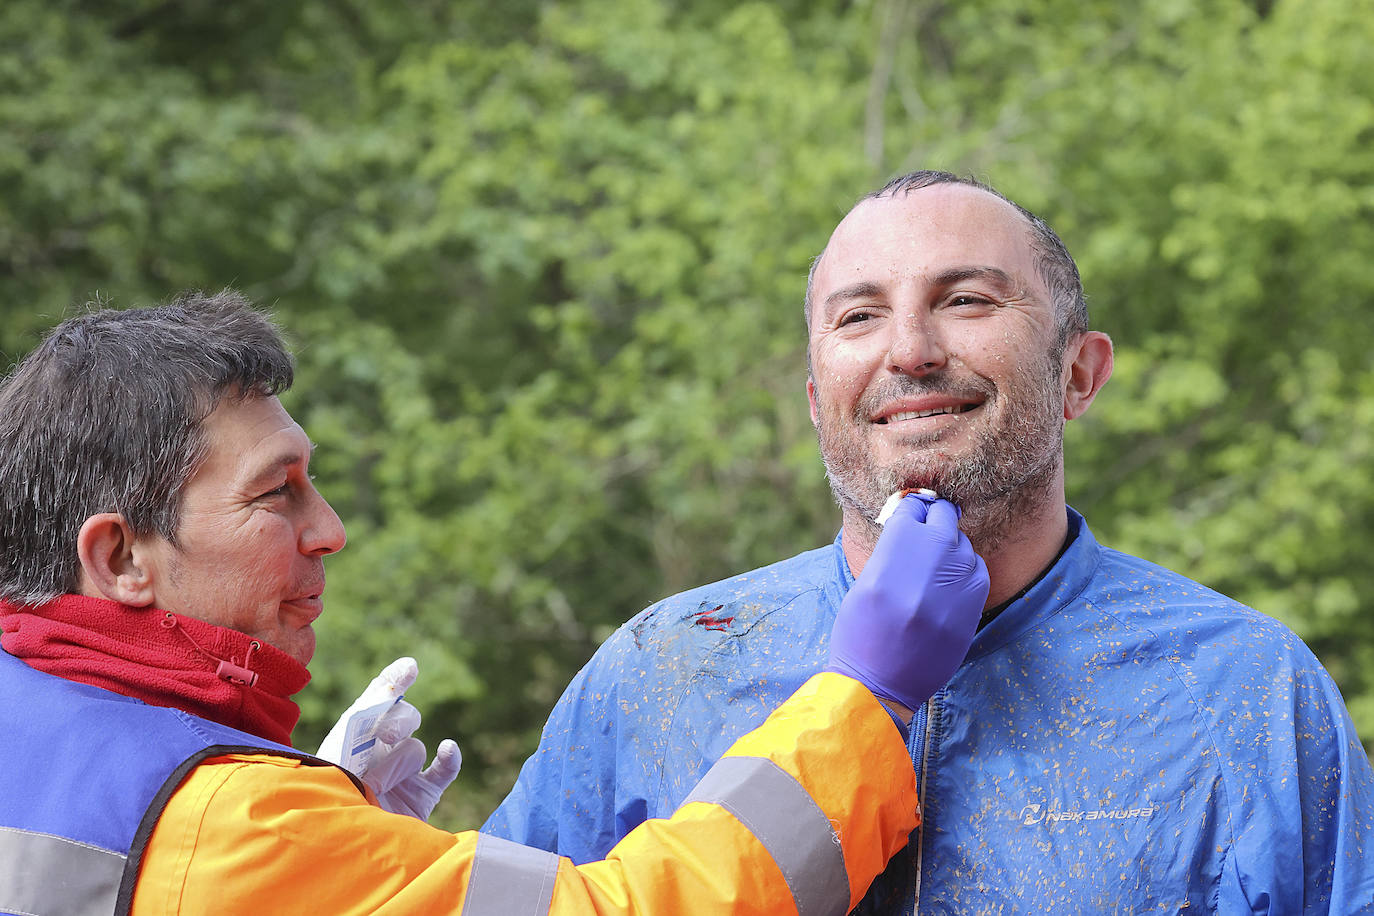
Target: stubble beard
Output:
[(1008, 467)]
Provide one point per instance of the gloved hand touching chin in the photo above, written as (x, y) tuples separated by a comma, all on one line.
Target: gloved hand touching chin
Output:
[(907, 622), (379, 748)]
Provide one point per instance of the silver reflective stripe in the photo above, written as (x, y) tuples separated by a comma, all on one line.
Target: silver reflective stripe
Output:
[(41, 873), (790, 825), (509, 879)]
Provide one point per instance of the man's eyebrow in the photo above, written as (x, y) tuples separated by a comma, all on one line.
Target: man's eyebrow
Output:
[(973, 272), (864, 289), (277, 462)]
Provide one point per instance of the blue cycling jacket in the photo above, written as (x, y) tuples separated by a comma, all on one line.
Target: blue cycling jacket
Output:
[(1119, 740)]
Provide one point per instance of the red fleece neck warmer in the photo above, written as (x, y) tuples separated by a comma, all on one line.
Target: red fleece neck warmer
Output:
[(161, 658)]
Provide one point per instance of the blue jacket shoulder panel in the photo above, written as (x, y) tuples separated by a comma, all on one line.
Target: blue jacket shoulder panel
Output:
[(85, 774), (85, 763)]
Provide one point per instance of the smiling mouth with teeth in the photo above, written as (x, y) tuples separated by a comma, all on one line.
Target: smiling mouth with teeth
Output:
[(918, 414)]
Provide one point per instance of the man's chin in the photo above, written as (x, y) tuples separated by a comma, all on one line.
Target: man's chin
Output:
[(302, 647), (863, 485), (923, 478), (866, 505)]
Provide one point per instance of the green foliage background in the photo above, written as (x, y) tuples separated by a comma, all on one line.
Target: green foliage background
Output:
[(543, 263)]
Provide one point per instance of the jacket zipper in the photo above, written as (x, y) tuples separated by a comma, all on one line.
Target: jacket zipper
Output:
[(919, 746)]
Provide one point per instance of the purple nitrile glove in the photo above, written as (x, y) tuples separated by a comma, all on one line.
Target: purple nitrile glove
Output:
[(907, 622)]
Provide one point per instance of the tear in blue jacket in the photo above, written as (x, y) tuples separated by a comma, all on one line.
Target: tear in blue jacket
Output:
[(1119, 739)]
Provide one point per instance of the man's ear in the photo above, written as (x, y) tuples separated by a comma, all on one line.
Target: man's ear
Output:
[(111, 566), (811, 398), (1087, 366)]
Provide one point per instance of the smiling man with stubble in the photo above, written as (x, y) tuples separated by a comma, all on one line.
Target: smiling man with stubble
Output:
[(1119, 738)]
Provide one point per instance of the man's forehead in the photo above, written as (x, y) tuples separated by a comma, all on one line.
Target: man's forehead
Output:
[(944, 206), (251, 433), (926, 232)]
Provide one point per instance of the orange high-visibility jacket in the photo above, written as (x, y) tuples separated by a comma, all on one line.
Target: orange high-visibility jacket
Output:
[(798, 817)]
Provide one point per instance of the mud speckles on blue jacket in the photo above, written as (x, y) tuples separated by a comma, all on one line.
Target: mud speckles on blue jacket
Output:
[(1120, 739)]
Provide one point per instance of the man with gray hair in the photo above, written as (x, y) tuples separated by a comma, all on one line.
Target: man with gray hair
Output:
[(1118, 739), (161, 569)]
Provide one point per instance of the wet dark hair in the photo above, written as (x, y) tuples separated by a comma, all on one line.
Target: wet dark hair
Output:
[(106, 415)]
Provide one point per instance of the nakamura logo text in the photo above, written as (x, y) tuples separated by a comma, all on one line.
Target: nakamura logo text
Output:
[(1031, 815)]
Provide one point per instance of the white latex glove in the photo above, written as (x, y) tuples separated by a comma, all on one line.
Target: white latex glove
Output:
[(373, 741), (402, 787)]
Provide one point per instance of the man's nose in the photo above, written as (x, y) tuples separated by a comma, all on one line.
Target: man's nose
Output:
[(916, 347), (323, 532)]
